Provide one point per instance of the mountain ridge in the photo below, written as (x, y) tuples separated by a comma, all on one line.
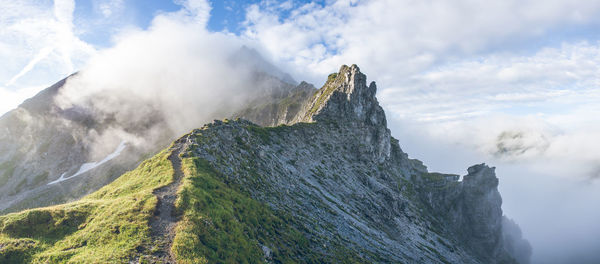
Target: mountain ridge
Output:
[(332, 185)]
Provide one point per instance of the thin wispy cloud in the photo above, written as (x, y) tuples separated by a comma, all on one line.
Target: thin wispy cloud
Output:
[(44, 52)]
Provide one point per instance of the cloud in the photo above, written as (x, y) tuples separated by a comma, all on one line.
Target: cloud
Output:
[(407, 36), (49, 34), (518, 108), (155, 84), (40, 56), (110, 7), (197, 10)]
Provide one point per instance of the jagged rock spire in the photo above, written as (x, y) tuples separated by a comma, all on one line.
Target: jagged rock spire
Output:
[(346, 99)]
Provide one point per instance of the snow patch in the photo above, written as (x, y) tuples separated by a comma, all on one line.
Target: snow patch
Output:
[(91, 165)]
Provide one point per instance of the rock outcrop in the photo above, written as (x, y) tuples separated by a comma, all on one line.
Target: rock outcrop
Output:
[(347, 99)]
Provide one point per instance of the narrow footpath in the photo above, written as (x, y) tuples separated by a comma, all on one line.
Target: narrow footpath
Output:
[(164, 221)]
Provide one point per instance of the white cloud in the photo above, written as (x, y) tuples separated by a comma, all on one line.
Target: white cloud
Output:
[(406, 36), (40, 44), (175, 72), (109, 8), (63, 11), (40, 56), (197, 10), (539, 110)]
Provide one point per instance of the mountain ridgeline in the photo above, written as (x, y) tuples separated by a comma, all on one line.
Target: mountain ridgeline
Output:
[(314, 177)]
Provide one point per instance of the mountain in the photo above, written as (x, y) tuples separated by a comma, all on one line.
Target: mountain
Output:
[(329, 185), (50, 154)]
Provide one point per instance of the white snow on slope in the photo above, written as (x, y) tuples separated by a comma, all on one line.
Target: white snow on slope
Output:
[(91, 165)]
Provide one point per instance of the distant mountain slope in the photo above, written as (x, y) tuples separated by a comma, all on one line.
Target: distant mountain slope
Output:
[(335, 188)]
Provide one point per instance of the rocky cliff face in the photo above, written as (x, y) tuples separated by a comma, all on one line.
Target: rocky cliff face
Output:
[(473, 207)]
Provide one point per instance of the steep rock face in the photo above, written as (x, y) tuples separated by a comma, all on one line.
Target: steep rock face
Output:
[(482, 215), (346, 97), (473, 209), (473, 206)]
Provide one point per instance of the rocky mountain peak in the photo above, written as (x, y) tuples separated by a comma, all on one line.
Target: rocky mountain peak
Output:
[(346, 97)]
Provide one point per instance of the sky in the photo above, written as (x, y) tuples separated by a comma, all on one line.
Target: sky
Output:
[(513, 83)]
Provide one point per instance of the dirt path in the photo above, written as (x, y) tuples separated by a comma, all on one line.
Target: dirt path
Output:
[(163, 222)]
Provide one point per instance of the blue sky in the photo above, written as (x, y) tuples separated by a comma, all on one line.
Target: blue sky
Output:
[(452, 76)]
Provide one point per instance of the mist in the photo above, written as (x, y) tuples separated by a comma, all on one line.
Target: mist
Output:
[(545, 188), (155, 84)]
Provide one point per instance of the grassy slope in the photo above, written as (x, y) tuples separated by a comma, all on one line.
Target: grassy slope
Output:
[(110, 225), (222, 225), (219, 223)]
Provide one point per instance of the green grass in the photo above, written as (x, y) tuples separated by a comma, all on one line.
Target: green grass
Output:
[(264, 133), (329, 88), (333, 82), (221, 224), (108, 226)]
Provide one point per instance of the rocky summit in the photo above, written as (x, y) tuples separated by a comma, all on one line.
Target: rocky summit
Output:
[(325, 183)]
